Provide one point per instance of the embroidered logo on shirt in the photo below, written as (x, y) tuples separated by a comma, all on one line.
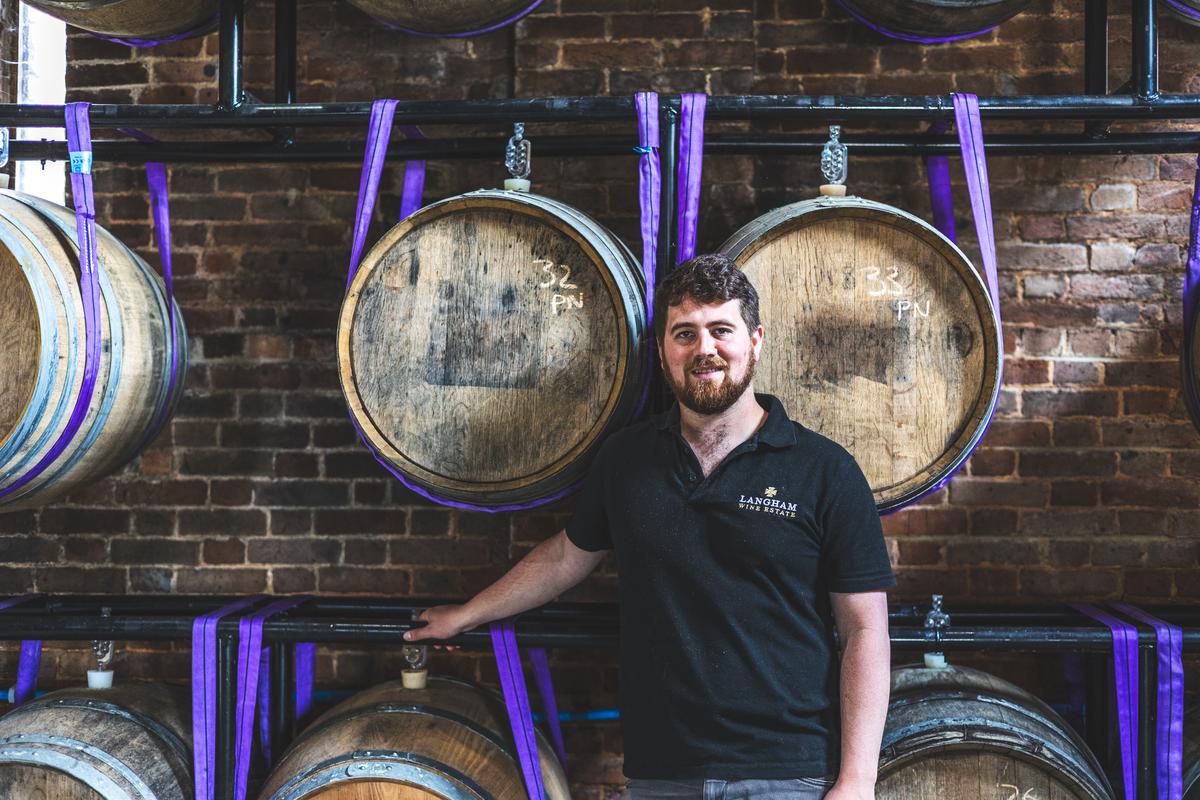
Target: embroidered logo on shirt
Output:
[(767, 504)]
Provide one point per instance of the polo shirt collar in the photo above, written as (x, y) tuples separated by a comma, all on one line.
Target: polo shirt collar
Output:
[(777, 431)]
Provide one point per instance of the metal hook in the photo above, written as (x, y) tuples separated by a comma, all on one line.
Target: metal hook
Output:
[(834, 160), (518, 153)]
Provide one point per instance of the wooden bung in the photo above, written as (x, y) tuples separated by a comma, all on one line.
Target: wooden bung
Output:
[(958, 732), (139, 19), (446, 17), (489, 342), (42, 346), (879, 335), (396, 743)]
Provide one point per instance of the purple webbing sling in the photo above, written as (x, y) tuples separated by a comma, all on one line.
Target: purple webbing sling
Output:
[(204, 696), (79, 144), (250, 631), (545, 686), (691, 160), (650, 204), (1186, 11), (160, 196), (1191, 303), (516, 700), (1168, 718), (303, 657), (30, 659), (910, 37), (134, 41), (1125, 671), (493, 27), (941, 196), (974, 158)]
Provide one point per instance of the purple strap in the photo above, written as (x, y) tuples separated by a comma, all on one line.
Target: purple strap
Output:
[(1191, 302), (909, 37), (249, 665), (974, 158), (1125, 669), (649, 189), (1190, 13), (691, 164), (31, 656), (156, 182), (303, 659), (541, 677), (204, 696), (79, 143), (134, 41), (378, 135), (1168, 720), (516, 700), (941, 196), (306, 662), (488, 29)]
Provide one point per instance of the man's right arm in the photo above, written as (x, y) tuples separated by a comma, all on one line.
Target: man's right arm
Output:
[(550, 569)]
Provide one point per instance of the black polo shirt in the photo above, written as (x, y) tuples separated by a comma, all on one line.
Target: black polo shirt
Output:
[(728, 665)]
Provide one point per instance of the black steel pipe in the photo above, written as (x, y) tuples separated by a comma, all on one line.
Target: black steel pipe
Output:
[(226, 721), (1145, 49), (668, 164), (230, 89), (285, 51), (1095, 47), (716, 144), (1098, 686), (283, 693), (816, 110)]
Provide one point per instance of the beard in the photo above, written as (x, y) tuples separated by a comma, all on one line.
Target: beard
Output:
[(707, 397)]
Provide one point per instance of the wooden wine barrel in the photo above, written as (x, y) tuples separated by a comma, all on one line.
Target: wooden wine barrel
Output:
[(450, 740), (134, 19), (961, 733), (42, 346), (934, 19), (447, 18), (488, 344), (879, 335), (130, 742), (1186, 10)]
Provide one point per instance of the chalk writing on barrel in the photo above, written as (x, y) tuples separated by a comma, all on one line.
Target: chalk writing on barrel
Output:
[(888, 285), (559, 301), (1016, 792)]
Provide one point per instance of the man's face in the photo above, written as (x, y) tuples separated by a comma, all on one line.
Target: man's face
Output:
[(708, 355)]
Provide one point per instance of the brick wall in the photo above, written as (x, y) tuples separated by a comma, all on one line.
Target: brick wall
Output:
[(1087, 485)]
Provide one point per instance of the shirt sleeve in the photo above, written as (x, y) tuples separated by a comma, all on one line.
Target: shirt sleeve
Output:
[(854, 556), (588, 526)]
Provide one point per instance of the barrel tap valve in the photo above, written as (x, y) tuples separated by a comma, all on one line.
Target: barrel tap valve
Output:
[(415, 674), (101, 677), (518, 158), (834, 164), (936, 621)]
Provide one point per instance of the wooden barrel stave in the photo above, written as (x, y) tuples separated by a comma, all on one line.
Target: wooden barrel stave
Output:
[(129, 741), (136, 353), (450, 740), (959, 732), (132, 19), (455, 17), (464, 366), (907, 389), (937, 18)]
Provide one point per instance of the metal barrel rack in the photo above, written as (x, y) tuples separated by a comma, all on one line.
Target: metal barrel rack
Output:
[(1049, 628)]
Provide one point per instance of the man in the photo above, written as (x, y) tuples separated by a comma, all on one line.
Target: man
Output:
[(741, 538)]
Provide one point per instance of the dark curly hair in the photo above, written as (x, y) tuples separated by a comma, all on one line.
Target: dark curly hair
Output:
[(710, 278)]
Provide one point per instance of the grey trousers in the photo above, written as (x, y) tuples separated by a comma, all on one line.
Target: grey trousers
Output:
[(789, 789)]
